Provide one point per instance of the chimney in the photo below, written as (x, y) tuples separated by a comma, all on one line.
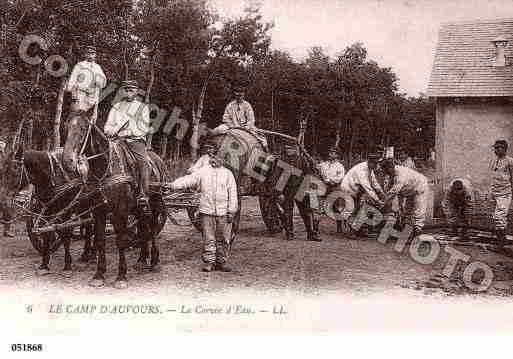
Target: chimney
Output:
[(500, 44)]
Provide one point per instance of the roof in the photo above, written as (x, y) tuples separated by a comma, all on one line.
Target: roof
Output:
[(464, 58)]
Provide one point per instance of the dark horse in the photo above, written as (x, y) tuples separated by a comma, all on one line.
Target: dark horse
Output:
[(240, 150), (290, 194), (115, 182), (53, 193)]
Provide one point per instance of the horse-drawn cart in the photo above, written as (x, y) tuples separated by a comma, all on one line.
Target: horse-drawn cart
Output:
[(189, 201), (42, 222)]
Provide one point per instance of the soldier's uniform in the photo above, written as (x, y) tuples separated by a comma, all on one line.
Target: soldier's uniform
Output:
[(360, 183), (332, 172), (218, 205), (85, 83), (411, 186), (130, 121), (457, 204), (502, 175)]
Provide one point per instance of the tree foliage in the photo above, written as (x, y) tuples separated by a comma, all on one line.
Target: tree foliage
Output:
[(195, 56)]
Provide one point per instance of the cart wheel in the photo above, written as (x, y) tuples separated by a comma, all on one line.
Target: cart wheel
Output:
[(193, 213), (37, 240), (270, 214)]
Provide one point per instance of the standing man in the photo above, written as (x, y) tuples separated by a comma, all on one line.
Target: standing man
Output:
[(457, 205), (332, 172), (85, 82), (502, 178), (410, 186), (218, 206), (129, 120)]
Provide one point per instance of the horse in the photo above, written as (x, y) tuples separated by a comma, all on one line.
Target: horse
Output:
[(287, 197), (239, 148), (53, 190), (112, 174)]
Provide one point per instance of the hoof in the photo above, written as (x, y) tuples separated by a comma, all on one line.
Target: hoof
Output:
[(140, 267), (67, 273), (156, 268), (121, 284), (42, 272), (97, 283)]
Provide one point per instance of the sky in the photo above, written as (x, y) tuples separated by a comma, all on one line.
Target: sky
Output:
[(400, 34)]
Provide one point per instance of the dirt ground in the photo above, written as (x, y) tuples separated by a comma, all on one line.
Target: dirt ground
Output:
[(261, 262)]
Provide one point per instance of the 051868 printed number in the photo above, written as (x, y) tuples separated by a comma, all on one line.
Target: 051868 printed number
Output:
[(27, 347)]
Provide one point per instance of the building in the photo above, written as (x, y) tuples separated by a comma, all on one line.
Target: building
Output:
[(472, 83)]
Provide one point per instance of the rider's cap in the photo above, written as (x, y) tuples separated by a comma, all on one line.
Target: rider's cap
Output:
[(238, 88), (130, 84), (209, 145), (333, 149), (90, 49), (500, 143)]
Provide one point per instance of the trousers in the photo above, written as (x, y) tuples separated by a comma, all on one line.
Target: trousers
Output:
[(138, 149), (500, 214), (415, 207), (217, 234)]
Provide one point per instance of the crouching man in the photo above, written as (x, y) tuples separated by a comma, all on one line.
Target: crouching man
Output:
[(457, 205), (218, 206), (361, 185), (411, 186)]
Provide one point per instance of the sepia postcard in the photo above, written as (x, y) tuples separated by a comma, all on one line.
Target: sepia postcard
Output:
[(175, 167)]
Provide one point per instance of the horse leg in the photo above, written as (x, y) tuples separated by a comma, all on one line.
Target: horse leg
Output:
[(287, 218), (66, 239), (142, 261), (122, 242), (158, 210), (86, 232), (120, 223), (100, 219), (44, 268), (307, 215)]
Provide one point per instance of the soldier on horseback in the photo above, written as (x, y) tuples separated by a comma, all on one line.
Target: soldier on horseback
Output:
[(129, 120), (85, 82), (239, 113)]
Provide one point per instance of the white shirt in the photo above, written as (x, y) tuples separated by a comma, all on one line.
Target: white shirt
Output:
[(332, 171), (85, 82), (407, 182), (129, 120), (239, 115), (408, 162), (202, 161), (359, 177), (217, 186)]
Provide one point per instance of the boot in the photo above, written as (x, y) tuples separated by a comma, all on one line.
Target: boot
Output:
[(223, 267), (208, 267), (314, 236)]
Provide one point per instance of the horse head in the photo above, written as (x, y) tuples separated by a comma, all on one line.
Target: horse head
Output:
[(13, 177), (78, 129)]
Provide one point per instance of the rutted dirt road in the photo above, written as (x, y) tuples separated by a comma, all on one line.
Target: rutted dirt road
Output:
[(260, 261)]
